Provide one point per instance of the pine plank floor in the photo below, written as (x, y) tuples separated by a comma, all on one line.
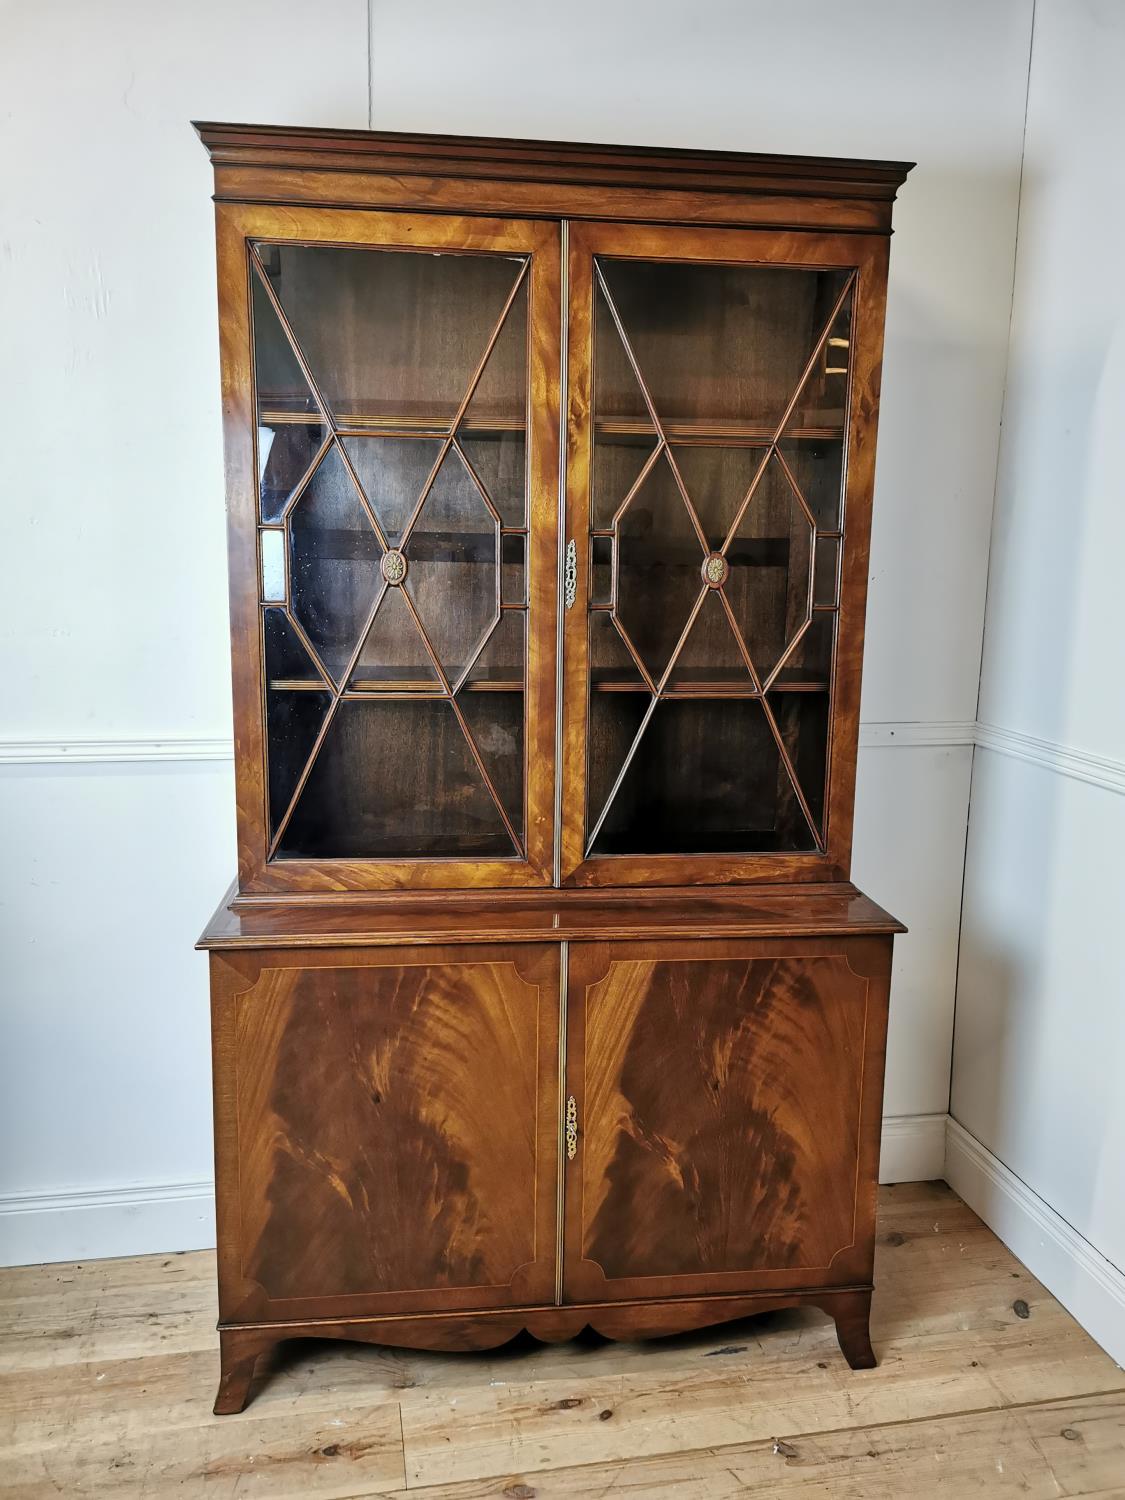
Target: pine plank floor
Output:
[(985, 1386)]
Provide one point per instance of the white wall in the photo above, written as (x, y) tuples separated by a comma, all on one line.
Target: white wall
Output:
[(115, 619), (114, 614), (1039, 1064)]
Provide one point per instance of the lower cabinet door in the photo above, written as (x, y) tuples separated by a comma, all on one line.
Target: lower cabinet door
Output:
[(386, 1130), (723, 1115)]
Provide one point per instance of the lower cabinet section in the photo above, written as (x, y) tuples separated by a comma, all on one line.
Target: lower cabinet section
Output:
[(439, 1146)]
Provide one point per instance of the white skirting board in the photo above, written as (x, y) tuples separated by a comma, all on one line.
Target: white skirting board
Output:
[(95, 1223), (1090, 1287), (166, 1217), (160, 1218)]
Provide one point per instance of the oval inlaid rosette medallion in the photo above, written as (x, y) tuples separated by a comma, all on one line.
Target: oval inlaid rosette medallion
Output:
[(715, 570), (394, 566)]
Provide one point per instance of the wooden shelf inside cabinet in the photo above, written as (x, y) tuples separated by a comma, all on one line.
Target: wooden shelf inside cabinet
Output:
[(417, 685), (714, 687), (393, 424), (690, 430)]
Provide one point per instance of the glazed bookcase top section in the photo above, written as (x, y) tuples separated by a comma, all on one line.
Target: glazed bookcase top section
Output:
[(491, 174)]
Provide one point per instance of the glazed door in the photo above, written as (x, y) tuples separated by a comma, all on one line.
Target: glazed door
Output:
[(723, 388), (386, 1130), (393, 494), (723, 1114)]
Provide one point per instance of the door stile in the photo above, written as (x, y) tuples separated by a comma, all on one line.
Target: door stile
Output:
[(576, 511)]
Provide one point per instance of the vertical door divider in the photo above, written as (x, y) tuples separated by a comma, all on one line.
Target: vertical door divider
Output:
[(560, 1186), (564, 357)]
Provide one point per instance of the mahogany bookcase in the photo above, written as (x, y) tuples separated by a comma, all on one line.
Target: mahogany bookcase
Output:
[(542, 997)]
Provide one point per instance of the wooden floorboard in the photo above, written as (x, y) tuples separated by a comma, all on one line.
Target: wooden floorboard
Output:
[(108, 1371)]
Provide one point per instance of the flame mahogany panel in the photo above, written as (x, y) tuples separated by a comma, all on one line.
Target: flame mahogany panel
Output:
[(725, 1099), (386, 1130)]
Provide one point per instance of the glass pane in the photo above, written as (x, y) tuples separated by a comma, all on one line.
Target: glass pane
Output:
[(711, 658), (659, 562), (726, 803), (290, 429), (499, 401), (817, 467), (394, 656), (808, 666), (395, 779), (802, 720), (391, 550), (770, 570), (826, 580), (513, 570), (333, 563), (612, 669), (499, 461), (392, 473), (273, 564), (287, 661), (712, 577), (819, 411), (717, 481), (615, 719), (495, 721), (601, 570), (293, 721), (393, 338), (500, 666), (452, 576), (722, 345), (616, 464)]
